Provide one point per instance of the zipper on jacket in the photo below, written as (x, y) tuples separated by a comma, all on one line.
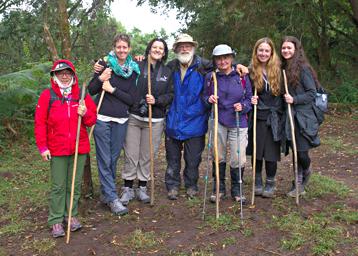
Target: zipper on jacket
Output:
[(69, 126)]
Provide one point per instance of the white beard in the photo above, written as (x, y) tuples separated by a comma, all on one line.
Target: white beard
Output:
[(185, 58)]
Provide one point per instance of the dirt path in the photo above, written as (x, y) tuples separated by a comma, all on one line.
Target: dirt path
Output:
[(177, 228)]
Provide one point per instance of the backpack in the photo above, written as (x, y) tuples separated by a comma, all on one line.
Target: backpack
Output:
[(54, 97), (321, 100)]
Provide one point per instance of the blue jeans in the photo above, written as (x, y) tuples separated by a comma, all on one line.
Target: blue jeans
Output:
[(109, 138)]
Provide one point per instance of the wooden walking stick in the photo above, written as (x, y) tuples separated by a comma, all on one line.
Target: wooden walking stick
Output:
[(87, 175), (98, 108), (150, 137), (75, 167), (293, 141), (254, 153), (216, 153)]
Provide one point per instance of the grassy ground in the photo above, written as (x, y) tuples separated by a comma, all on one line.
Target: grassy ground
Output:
[(324, 224)]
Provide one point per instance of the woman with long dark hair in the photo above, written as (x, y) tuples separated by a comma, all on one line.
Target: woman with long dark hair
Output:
[(302, 83), (136, 146)]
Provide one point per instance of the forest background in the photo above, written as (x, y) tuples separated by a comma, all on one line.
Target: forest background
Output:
[(35, 32)]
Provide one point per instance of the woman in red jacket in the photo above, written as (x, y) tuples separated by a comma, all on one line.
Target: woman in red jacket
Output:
[(56, 118)]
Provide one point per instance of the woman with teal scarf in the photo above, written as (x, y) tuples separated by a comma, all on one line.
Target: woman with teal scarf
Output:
[(119, 81)]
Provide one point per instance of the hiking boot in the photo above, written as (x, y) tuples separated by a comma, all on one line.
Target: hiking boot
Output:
[(191, 193), (212, 199), (117, 207), (242, 174), (237, 199), (292, 192), (222, 170), (142, 195), (102, 199), (75, 224), (57, 230), (127, 195), (235, 185), (258, 184), (173, 194), (269, 188), (306, 176), (235, 182)]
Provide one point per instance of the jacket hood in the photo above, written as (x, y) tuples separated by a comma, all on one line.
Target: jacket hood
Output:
[(67, 65)]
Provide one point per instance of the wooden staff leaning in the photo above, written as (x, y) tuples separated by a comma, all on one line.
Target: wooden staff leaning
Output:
[(98, 108), (150, 136), (254, 152), (294, 147), (75, 166), (216, 152)]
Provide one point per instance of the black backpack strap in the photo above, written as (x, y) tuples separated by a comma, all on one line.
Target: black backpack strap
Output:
[(54, 97)]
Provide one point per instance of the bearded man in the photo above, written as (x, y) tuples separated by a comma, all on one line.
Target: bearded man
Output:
[(187, 118)]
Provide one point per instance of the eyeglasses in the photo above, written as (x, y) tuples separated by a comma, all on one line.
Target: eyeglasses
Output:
[(64, 74)]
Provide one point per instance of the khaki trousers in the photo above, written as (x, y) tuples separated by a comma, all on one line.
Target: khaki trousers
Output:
[(136, 148)]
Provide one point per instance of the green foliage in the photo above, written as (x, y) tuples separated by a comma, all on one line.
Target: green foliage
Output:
[(229, 241), (336, 144), (139, 240), (320, 186), (225, 222), (19, 92), (347, 92), (330, 38), (41, 246), (317, 229), (23, 187)]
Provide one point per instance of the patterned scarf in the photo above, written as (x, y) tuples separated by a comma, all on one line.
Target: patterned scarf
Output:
[(65, 89), (124, 70)]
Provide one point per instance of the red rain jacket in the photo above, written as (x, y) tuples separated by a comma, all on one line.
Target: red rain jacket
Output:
[(55, 127)]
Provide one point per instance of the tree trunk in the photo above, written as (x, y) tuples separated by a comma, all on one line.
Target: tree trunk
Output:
[(64, 29), (50, 43), (323, 40), (354, 4), (87, 186)]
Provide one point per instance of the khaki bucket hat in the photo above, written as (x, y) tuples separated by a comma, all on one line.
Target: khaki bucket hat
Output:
[(184, 38)]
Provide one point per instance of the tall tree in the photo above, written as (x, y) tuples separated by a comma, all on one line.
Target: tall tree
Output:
[(64, 27)]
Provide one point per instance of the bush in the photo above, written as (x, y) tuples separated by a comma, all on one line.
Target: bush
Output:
[(19, 92), (347, 92)]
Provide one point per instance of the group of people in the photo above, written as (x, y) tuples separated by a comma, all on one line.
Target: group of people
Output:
[(181, 98)]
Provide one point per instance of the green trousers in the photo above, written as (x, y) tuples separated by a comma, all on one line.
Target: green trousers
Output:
[(61, 181)]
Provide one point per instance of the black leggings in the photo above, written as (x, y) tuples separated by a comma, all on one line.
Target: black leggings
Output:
[(303, 160), (271, 168)]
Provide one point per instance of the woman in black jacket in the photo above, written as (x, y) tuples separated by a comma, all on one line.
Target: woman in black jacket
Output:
[(265, 74), (118, 80), (302, 82), (136, 147)]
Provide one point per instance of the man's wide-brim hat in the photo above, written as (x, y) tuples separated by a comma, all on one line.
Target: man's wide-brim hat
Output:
[(184, 38), (61, 66)]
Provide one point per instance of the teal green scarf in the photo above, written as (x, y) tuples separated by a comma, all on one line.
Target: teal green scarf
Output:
[(127, 69)]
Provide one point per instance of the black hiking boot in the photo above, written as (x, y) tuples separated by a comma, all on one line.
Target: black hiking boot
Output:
[(235, 185), (269, 188), (258, 184), (222, 185), (306, 176)]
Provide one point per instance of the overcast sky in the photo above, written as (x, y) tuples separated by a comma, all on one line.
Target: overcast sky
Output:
[(142, 18)]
